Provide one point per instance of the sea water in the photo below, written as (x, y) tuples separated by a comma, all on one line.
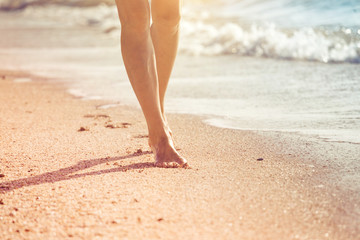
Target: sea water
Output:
[(275, 65)]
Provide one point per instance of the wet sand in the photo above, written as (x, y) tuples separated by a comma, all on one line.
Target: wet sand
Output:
[(72, 170)]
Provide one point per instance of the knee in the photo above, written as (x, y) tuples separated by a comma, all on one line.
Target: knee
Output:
[(168, 18), (136, 22)]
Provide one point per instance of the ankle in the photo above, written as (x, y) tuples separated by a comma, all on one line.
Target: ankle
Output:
[(163, 139), (160, 135)]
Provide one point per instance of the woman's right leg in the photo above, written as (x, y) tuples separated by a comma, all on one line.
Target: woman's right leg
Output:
[(139, 59)]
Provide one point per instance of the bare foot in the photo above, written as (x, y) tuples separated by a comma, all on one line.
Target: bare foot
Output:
[(166, 155)]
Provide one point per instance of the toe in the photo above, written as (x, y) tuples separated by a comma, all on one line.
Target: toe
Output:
[(173, 165), (186, 166), (167, 165), (181, 161), (160, 164)]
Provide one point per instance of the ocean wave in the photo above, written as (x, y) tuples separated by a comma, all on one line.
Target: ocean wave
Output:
[(268, 40), (204, 35)]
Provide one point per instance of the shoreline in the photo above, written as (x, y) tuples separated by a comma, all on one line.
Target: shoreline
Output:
[(227, 194)]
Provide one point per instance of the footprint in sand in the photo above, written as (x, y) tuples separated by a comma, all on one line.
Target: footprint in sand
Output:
[(108, 123), (118, 125)]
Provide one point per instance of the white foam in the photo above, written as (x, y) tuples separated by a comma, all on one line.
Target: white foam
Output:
[(76, 92), (267, 40), (107, 106), (92, 98), (328, 135)]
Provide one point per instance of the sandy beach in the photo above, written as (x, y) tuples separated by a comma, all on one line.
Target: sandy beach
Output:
[(73, 170)]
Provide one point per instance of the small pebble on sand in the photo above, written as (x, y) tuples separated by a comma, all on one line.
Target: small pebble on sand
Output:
[(82, 129), (112, 126), (2, 175), (259, 159)]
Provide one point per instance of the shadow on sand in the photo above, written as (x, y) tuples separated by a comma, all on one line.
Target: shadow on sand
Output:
[(67, 173)]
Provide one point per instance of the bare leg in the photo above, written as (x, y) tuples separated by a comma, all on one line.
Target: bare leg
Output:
[(165, 37), (139, 59)]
